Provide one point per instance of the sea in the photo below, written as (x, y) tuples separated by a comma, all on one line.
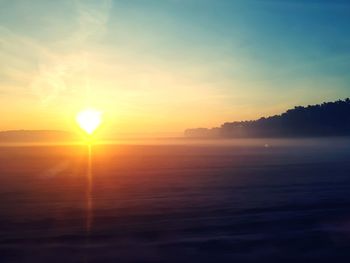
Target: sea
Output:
[(176, 200)]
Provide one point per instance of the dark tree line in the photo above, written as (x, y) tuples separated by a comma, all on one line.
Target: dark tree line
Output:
[(326, 119)]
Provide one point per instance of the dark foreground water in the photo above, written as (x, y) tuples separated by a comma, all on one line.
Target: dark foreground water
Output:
[(238, 201)]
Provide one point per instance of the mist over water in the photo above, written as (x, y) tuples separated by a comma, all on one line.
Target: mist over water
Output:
[(177, 201)]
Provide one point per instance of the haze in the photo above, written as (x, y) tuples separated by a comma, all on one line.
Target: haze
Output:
[(164, 66)]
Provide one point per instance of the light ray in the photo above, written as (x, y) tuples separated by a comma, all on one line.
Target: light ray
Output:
[(89, 204)]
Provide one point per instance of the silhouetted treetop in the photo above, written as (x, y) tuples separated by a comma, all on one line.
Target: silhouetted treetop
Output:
[(326, 119)]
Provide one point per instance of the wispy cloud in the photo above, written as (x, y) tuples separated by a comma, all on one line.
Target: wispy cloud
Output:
[(44, 67)]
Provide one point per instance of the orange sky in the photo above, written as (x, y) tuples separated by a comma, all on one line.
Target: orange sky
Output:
[(161, 68)]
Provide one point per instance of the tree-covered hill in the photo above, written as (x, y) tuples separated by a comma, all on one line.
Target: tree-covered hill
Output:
[(326, 119)]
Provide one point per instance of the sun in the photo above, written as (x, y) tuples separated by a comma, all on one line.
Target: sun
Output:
[(89, 120)]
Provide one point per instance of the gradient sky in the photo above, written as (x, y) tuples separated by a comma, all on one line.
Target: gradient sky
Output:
[(166, 65)]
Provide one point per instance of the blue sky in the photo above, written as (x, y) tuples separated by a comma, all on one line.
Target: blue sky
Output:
[(170, 64)]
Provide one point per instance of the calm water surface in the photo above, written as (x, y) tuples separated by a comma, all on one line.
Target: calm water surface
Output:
[(231, 201)]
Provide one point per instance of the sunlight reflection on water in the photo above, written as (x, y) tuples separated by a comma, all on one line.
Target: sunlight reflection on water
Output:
[(89, 204)]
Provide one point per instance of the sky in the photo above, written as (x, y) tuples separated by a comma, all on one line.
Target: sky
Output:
[(161, 66)]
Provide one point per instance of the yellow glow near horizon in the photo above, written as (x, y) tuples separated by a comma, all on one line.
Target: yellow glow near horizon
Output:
[(89, 120)]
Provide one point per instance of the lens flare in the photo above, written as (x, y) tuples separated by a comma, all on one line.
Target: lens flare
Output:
[(89, 120)]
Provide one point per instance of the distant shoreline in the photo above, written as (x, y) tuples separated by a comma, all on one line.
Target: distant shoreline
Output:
[(329, 119)]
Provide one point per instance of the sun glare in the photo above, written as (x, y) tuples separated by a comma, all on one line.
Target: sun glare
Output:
[(89, 120)]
